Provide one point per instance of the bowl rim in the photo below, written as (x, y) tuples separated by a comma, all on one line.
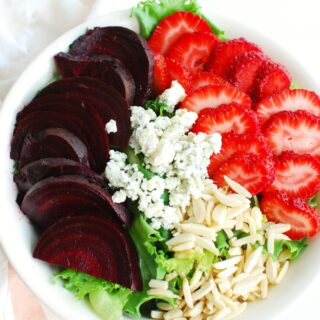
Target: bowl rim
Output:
[(249, 33)]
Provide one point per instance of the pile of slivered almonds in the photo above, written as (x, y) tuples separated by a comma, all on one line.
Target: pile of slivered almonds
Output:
[(247, 272)]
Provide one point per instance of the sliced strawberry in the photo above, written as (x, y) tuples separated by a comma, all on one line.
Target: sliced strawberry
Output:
[(171, 28), (289, 100), (297, 175), (297, 131), (233, 143), (248, 169), (192, 50), (213, 96), (204, 78), (280, 208), (271, 78), (222, 55), (161, 79), (244, 68), (226, 118), (179, 73)]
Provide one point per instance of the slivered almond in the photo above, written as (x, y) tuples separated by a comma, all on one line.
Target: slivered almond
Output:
[(158, 284), (181, 238), (199, 229), (227, 263), (183, 247), (199, 210), (226, 200), (187, 293), (245, 285), (252, 260), (236, 187), (206, 244), (234, 212)]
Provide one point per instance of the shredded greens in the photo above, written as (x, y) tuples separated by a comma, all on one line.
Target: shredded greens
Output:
[(151, 12), (160, 108)]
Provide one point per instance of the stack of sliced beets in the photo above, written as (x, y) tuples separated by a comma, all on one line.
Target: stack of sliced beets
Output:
[(61, 145), (116, 55), (270, 133)]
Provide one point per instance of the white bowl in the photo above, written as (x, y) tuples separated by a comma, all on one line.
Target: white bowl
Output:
[(16, 233)]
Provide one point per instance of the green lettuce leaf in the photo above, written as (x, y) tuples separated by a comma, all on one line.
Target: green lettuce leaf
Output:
[(202, 260), (222, 243), (15, 168), (146, 240), (151, 247), (150, 12), (294, 85), (107, 299), (295, 247), (313, 202)]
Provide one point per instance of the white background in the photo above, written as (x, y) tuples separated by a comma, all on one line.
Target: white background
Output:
[(294, 24)]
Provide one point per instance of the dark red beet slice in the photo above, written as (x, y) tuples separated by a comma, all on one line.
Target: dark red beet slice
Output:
[(41, 169), (106, 68), (53, 142), (75, 116), (125, 45), (99, 95), (53, 198), (92, 245)]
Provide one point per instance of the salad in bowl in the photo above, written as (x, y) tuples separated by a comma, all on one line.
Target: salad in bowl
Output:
[(171, 174)]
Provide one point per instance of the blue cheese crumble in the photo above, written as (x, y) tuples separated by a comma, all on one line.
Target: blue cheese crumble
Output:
[(179, 159), (111, 126)]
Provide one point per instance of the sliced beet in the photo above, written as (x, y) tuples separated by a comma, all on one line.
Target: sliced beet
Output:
[(53, 198), (75, 116), (96, 94), (93, 245), (53, 142), (41, 169), (106, 68), (125, 45)]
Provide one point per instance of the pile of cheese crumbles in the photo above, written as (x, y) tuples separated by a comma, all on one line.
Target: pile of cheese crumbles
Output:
[(247, 273)]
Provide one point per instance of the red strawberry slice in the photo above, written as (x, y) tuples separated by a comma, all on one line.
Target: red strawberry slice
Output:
[(244, 68), (171, 28), (192, 50), (213, 96), (179, 73), (165, 71), (297, 175), (222, 55), (280, 208), (272, 78), (289, 100), (248, 169), (226, 118), (297, 131), (161, 79), (204, 78), (233, 143)]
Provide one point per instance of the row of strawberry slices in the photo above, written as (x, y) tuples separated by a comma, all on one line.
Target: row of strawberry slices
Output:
[(185, 45), (270, 134)]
